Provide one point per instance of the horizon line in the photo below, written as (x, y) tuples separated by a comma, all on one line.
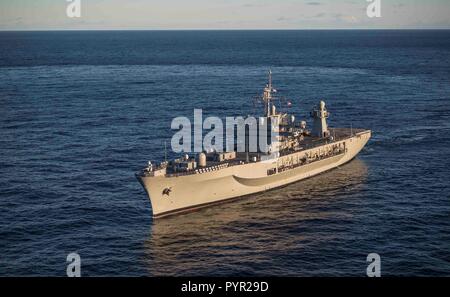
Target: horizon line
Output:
[(243, 29)]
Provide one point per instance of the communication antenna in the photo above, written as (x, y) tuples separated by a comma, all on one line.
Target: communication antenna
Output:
[(267, 96), (270, 78), (165, 151)]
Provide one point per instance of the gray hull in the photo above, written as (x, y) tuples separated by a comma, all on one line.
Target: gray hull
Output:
[(188, 192)]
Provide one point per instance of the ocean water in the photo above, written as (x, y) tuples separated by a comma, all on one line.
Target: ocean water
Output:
[(80, 112)]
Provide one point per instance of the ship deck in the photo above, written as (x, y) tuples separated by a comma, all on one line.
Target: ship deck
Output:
[(338, 134), (312, 142)]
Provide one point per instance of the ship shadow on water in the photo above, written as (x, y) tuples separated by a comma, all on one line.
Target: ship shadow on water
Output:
[(244, 237)]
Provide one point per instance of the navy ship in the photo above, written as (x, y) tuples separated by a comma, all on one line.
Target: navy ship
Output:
[(193, 182)]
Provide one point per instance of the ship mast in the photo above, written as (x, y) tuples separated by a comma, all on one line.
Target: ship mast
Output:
[(270, 78), (267, 96)]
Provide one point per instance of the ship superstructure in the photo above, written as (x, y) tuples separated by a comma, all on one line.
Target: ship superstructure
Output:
[(191, 182)]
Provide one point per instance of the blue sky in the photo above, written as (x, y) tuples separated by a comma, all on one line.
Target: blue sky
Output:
[(223, 14)]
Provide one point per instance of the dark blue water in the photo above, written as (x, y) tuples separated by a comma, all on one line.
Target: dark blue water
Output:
[(80, 112)]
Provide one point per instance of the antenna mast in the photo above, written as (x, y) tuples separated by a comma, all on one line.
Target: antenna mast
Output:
[(270, 79), (267, 96), (165, 151)]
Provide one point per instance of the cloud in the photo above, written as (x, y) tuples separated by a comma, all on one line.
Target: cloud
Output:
[(223, 14), (346, 18), (281, 19), (313, 3)]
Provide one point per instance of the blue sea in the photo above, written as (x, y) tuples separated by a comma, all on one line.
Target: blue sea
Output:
[(81, 112)]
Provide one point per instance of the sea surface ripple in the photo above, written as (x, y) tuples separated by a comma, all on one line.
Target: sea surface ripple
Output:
[(80, 112)]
